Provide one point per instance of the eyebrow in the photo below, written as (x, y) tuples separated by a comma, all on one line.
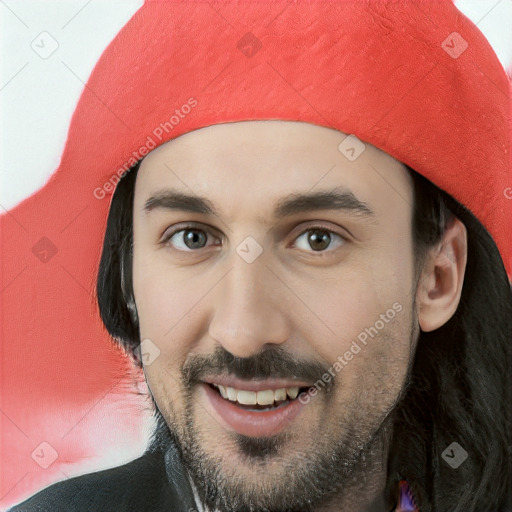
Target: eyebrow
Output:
[(335, 199)]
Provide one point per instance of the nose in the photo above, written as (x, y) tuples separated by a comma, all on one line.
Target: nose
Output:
[(249, 309)]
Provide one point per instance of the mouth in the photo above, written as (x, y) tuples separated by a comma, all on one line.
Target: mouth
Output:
[(262, 412), (258, 401)]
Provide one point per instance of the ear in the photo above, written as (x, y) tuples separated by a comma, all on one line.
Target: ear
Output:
[(440, 285)]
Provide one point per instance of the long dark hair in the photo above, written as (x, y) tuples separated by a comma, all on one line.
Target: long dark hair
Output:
[(459, 391), (459, 387)]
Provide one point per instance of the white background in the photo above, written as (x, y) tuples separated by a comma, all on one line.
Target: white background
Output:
[(38, 96)]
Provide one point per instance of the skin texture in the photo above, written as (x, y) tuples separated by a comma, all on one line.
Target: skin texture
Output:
[(306, 306)]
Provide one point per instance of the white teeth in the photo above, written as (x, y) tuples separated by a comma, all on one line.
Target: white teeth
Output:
[(231, 394), (246, 397), (265, 397), (223, 392), (292, 392), (280, 394)]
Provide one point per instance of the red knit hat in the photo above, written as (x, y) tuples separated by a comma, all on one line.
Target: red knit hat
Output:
[(415, 78)]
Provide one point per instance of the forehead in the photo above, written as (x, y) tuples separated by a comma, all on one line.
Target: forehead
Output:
[(252, 165)]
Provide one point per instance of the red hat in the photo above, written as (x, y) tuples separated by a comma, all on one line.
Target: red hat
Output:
[(416, 79)]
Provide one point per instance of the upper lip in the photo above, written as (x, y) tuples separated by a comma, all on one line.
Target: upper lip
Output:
[(255, 385)]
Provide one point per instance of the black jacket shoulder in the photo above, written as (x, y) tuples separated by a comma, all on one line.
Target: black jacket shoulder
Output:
[(138, 486)]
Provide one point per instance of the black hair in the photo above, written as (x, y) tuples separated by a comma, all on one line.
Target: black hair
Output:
[(459, 386), (459, 390), (114, 286)]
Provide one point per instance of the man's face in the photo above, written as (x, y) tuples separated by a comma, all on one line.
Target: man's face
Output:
[(261, 296)]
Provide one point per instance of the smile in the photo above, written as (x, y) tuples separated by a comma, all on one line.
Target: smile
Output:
[(254, 412), (266, 397)]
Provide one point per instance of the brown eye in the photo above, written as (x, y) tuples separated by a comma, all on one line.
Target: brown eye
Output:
[(318, 240)]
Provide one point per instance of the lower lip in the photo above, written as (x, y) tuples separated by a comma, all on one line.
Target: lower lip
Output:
[(252, 423)]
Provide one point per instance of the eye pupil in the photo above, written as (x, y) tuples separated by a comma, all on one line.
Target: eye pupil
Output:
[(192, 237), (319, 240)]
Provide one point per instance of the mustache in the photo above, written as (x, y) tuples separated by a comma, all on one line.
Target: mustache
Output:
[(272, 362)]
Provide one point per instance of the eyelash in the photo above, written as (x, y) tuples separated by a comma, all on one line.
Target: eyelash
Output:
[(166, 239)]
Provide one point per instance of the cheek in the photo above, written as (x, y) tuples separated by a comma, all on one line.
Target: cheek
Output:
[(159, 294), (168, 310), (369, 300), (157, 309), (172, 309), (368, 341), (369, 353)]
